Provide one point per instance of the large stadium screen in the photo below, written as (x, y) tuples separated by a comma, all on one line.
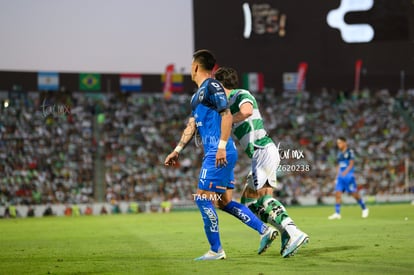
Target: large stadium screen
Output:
[(274, 37)]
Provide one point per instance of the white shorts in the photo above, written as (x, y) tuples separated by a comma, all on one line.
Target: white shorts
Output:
[(264, 167)]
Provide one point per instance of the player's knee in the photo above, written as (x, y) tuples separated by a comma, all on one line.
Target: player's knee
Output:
[(221, 204), (266, 190), (250, 193), (356, 195), (223, 201)]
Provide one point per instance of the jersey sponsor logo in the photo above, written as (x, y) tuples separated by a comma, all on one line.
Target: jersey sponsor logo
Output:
[(213, 219), (239, 213), (201, 96), (343, 164)]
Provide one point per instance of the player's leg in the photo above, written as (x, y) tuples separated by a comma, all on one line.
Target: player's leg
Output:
[(271, 211), (240, 211), (203, 200), (215, 181), (264, 166), (353, 190), (211, 225), (245, 215), (258, 195), (225, 178), (339, 187)]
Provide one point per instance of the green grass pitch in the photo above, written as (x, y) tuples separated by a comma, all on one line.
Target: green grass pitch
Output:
[(167, 244)]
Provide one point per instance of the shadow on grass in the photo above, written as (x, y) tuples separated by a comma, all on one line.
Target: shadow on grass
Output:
[(323, 250)]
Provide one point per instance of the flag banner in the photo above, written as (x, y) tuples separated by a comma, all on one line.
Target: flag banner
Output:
[(254, 82), (167, 89), (290, 80), (215, 68), (358, 66), (89, 82), (47, 81), (303, 67), (130, 82), (176, 83)]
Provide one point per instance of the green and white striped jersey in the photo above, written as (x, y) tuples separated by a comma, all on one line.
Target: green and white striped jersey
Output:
[(250, 132)]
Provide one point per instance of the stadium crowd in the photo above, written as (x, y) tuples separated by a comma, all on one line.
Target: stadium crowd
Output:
[(46, 155), (50, 144)]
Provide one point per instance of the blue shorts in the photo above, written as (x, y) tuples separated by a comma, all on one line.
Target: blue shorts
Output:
[(346, 184), (217, 179)]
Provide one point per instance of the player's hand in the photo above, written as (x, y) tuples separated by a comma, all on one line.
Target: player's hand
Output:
[(221, 159), (171, 159)]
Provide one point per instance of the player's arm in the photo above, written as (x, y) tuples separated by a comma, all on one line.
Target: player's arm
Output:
[(246, 110), (226, 124), (186, 136), (218, 99), (346, 171)]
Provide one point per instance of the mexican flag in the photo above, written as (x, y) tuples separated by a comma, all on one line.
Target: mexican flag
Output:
[(254, 82)]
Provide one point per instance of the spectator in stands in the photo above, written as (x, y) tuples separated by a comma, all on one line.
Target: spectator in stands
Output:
[(30, 211), (133, 207), (88, 210), (103, 210), (68, 211), (76, 211), (48, 211)]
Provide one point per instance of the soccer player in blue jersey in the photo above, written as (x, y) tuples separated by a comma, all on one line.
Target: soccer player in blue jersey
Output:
[(212, 120), (249, 131), (345, 179)]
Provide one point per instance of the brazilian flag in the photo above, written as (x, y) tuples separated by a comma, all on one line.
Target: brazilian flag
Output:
[(89, 82)]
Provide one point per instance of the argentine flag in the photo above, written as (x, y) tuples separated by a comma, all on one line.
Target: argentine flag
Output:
[(47, 81)]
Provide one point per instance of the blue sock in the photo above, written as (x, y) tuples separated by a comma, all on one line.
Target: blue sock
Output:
[(362, 204), (210, 220), (338, 208), (245, 215)]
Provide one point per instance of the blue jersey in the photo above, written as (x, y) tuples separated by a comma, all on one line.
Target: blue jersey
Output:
[(206, 104), (344, 158)]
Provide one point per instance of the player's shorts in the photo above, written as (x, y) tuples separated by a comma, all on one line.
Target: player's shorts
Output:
[(264, 167), (217, 179), (346, 184)]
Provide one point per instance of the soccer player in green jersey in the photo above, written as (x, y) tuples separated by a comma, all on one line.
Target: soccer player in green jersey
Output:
[(248, 129)]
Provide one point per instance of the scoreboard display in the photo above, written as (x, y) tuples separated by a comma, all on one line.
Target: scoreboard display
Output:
[(275, 36)]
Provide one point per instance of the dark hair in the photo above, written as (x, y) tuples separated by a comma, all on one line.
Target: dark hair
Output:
[(228, 77), (342, 138), (205, 59)]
